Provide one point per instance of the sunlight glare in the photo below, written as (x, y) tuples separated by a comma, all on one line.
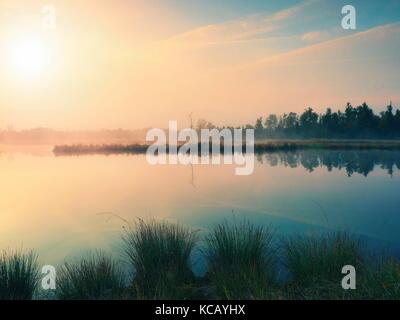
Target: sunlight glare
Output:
[(30, 55)]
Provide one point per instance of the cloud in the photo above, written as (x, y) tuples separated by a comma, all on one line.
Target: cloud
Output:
[(241, 29), (361, 46), (246, 39), (315, 36), (354, 68)]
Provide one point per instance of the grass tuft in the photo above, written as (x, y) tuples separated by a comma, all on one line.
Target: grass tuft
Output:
[(315, 264), (19, 275), (159, 253), (241, 260), (95, 277)]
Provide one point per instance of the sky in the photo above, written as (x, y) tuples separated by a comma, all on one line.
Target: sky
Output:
[(138, 63)]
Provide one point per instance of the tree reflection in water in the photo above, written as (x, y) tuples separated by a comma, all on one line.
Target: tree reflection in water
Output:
[(352, 161)]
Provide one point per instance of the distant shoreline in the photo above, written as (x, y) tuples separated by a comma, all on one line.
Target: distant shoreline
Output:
[(259, 147)]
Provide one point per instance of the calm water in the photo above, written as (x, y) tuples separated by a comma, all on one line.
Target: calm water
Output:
[(64, 206)]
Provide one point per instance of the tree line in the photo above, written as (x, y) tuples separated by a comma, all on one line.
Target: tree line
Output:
[(353, 123)]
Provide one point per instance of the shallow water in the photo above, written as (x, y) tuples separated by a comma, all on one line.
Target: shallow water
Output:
[(65, 206)]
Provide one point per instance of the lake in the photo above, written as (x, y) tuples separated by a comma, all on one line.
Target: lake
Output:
[(64, 206)]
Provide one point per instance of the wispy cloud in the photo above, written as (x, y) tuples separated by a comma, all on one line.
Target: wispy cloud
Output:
[(357, 47), (241, 29), (315, 36)]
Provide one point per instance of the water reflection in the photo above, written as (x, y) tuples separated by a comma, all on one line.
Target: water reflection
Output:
[(53, 203), (360, 162)]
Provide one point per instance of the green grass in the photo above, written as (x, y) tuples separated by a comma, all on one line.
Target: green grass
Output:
[(315, 262), (241, 260), (381, 279), (95, 277), (320, 257), (159, 253), (18, 275)]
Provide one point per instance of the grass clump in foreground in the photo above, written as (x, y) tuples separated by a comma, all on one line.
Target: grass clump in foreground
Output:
[(95, 277), (159, 253), (315, 263), (241, 261), (19, 275)]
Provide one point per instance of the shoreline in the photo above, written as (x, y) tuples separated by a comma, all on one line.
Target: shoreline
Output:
[(259, 146)]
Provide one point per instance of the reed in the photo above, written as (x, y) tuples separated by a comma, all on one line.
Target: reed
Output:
[(19, 275), (241, 260), (159, 253), (94, 277)]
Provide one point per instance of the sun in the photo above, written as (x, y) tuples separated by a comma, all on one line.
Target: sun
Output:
[(30, 55)]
